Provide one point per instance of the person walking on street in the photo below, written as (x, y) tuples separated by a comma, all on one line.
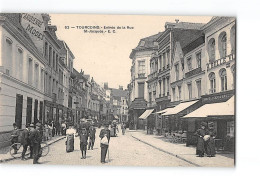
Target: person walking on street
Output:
[(210, 143), (71, 132), (26, 141), (14, 137), (104, 143), (200, 150), (123, 128), (83, 137), (36, 139), (92, 136)]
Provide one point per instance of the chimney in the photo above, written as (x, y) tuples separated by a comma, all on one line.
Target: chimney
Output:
[(177, 20), (121, 88)]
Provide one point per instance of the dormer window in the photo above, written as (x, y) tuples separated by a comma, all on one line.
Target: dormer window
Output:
[(142, 43)]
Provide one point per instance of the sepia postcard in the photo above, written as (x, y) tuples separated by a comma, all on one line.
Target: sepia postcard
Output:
[(117, 90)]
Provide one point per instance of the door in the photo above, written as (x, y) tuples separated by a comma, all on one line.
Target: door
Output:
[(35, 119), (29, 111), (19, 110)]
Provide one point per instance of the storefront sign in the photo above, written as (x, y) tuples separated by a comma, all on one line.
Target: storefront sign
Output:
[(218, 97), (33, 24)]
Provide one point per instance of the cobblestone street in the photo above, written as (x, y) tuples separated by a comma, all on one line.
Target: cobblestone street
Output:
[(124, 151)]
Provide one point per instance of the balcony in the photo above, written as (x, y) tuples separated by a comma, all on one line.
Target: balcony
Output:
[(163, 98), (141, 75), (221, 61), (193, 72), (211, 91), (153, 75)]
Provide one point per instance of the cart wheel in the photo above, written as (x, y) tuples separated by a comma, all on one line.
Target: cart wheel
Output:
[(16, 150)]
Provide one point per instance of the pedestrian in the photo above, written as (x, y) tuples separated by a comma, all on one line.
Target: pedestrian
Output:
[(123, 128), (46, 132), (36, 139), (83, 137), (14, 137), (104, 143), (92, 136), (57, 125), (25, 141), (71, 132), (63, 128), (210, 143), (200, 150)]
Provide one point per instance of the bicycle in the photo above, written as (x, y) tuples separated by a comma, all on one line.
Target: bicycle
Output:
[(16, 150)]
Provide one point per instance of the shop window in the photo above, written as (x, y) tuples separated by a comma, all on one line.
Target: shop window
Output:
[(230, 129), (212, 79), (223, 77), (222, 45), (211, 49)]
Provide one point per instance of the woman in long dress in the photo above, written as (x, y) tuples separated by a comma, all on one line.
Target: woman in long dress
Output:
[(210, 143), (200, 150)]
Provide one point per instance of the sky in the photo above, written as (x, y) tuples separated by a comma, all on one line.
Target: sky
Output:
[(105, 56)]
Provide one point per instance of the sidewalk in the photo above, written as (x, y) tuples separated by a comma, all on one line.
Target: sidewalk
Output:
[(5, 155), (183, 152)]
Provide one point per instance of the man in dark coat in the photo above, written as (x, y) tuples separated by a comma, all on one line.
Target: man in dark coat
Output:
[(83, 137), (14, 137), (200, 150), (36, 139), (26, 141), (92, 136), (104, 147)]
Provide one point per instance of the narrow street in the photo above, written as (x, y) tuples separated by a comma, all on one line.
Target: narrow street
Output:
[(124, 151)]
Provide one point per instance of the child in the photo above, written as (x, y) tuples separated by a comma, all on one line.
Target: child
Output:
[(83, 142)]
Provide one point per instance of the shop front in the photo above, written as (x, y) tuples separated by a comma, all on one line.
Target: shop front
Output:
[(221, 113)]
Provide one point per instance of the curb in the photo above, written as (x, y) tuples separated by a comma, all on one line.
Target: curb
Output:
[(177, 156), (10, 159)]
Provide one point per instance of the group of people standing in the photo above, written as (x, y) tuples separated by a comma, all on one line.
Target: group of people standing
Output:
[(30, 137), (206, 143)]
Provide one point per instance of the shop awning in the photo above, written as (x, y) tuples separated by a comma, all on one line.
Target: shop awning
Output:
[(214, 109), (162, 111), (146, 114), (179, 108)]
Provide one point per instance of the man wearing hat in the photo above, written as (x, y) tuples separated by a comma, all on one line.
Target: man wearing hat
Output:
[(200, 150), (14, 137), (92, 136), (104, 133), (25, 140), (210, 143), (36, 139)]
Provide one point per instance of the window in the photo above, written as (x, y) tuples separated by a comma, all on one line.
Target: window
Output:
[(46, 50), (30, 69), (42, 79), (177, 71), (189, 64), (36, 73), (150, 97), (168, 57), (140, 90), (179, 88), (54, 60), (173, 94), (8, 61), (50, 55), (164, 60), (142, 43), (212, 80), (198, 58), (57, 61), (234, 75), (19, 61), (223, 45), (233, 38), (211, 50), (190, 90), (198, 83), (141, 67), (223, 77)]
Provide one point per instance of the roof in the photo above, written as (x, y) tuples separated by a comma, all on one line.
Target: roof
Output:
[(14, 18), (146, 43), (188, 25), (193, 44), (118, 93)]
